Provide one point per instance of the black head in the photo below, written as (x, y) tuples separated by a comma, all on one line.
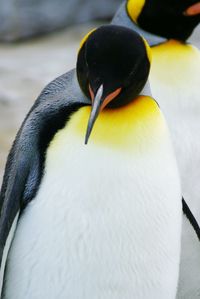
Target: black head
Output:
[(167, 18), (112, 68)]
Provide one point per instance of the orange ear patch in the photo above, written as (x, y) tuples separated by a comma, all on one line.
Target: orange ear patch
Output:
[(91, 93), (134, 8), (148, 50), (110, 97), (193, 10)]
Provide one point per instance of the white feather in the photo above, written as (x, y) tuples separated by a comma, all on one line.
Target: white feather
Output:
[(6, 250), (189, 277)]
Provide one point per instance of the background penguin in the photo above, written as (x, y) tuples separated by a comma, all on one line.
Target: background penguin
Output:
[(101, 220), (175, 83)]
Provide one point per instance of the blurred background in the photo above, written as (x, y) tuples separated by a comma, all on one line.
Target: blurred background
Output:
[(39, 40)]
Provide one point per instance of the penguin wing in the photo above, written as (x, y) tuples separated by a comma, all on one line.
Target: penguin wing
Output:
[(190, 217), (25, 163)]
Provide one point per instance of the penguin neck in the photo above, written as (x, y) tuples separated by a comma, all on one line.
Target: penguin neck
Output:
[(75, 89), (122, 18), (146, 91)]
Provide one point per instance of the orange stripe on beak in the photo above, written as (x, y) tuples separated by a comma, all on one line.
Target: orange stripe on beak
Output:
[(91, 93), (110, 97), (98, 103), (193, 10)]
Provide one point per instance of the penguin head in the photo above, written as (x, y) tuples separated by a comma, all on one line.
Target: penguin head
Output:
[(172, 19), (112, 68)]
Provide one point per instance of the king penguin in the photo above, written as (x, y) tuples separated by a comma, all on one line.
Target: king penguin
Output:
[(174, 76), (91, 194), (175, 82)]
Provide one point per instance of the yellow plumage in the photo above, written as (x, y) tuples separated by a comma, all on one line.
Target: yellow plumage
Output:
[(128, 128)]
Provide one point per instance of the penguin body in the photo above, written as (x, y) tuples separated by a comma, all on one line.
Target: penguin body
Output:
[(105, 215), (91, 233), (174, 81), (181, 105)]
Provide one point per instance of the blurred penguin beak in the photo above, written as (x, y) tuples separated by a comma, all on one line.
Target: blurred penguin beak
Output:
[(193, 10)]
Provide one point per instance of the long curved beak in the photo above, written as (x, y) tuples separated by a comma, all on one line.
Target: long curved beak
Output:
[(96, 108), (193, 10)]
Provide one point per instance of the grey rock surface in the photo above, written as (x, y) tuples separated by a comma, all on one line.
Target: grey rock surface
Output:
[(21, 19)]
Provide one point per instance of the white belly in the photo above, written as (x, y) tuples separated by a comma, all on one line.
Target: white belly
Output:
[(175, 83), (104, 225)]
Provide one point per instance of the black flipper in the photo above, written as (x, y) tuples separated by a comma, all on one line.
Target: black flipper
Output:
[(191, 218), (24, 168)]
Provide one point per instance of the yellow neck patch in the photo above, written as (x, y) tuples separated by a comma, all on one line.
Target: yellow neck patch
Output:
[(148, 50), (134, 8), (136, 127), (175, 64), (85, 38)]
